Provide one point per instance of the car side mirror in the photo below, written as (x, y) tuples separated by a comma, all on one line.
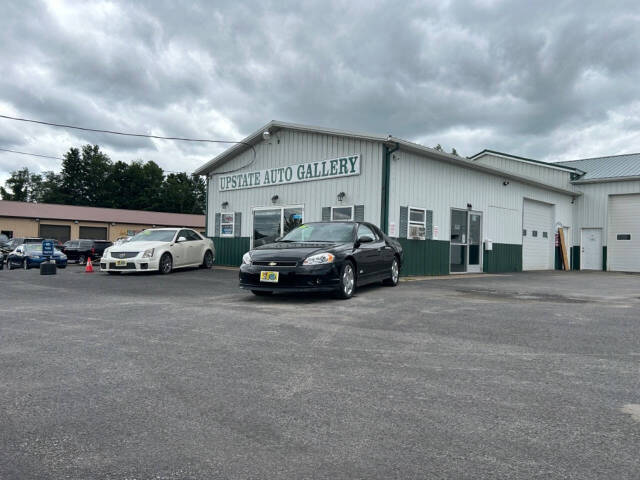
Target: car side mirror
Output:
[(365, 239), (182, 239)]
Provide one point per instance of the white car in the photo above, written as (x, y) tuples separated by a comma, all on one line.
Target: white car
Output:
[(161, 249)]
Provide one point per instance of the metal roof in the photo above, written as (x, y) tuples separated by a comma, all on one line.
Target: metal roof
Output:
[(275, 125), (522, 159), (52, 211), (612, 168)]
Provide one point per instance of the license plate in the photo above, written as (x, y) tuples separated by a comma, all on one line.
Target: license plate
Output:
[(121, 263), (269, 277)]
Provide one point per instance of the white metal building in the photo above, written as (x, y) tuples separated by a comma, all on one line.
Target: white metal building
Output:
[(606, 210), (446, 210)]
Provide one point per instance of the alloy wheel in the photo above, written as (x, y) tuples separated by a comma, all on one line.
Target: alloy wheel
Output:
[(394, 271), (348, 280), (165, 263)]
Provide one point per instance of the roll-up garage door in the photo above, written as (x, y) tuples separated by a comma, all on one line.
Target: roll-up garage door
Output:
[(537, 236), (59, 232), (623, 235), (93, 233)]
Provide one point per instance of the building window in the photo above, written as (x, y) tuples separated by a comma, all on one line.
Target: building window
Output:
[(534, 233), (417, 225), (226, 224), (341, 214), (545, 235), (623, 236), (524, 232)]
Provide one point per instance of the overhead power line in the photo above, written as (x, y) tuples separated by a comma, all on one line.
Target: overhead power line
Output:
[(139, 135), (31, 154)]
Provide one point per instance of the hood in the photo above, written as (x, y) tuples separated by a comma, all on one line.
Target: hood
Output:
[(290, 251), (136, 246)]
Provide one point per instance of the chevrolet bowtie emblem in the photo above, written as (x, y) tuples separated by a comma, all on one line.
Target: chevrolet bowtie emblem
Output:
[(272, 264)]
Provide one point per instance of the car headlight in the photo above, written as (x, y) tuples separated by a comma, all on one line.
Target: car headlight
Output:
[(246, 258), (105, 253), (148, 253), (319, 259)]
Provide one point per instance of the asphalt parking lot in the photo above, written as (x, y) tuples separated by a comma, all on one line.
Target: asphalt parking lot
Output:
[(184, 376)]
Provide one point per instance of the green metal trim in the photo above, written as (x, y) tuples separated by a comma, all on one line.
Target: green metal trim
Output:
[(575, 257), (206, 210), (504, 257), (386, 180), (229, 251), (425, 257), (604, 257)]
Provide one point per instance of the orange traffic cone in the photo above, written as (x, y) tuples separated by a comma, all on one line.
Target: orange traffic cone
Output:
[(89, 267)]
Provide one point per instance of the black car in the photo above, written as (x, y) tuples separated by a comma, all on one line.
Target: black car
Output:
[(80, 250), (323, 256)]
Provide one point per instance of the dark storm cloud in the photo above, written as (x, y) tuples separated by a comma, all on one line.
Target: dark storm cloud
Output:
[(545, 79)]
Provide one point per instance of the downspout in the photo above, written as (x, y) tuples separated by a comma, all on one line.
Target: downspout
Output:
[(206, 210), (386, 180)]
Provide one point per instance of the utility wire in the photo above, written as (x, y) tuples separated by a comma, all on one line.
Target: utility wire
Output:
[(32, 154), (142, 135)]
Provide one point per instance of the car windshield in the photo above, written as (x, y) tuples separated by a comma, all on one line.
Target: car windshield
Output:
[(321, 232), (154, 236), (33, 248)]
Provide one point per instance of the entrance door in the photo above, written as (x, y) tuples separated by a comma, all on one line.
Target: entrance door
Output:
[(537, 235), (466, 243), (591, 249)]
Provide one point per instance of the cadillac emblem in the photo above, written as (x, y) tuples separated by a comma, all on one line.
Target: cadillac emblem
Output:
[(272, 264)]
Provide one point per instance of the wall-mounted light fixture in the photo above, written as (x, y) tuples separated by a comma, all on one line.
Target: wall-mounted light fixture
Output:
[(37, 219), (76, 222), (341, 196), (225, 205), (153, 226), (113, 224), (573, 200), (469, 206), (505, 183), (274, 199)]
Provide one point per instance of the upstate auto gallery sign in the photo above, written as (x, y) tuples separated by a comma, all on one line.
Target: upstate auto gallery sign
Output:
[(302, 172)]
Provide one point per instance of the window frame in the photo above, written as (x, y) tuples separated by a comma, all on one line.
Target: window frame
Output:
[(410, 222), (352, 207), (626, 237), (232, 223), (282, 208)]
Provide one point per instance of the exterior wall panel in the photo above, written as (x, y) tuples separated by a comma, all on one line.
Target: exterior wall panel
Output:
[(423, 182), (287, 147), (552, 176)]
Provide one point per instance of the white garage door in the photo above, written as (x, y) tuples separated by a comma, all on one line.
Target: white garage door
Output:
[(623, 236), (537, 236)]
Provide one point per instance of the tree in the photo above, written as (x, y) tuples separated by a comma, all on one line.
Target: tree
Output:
[(24, 185), (454, 152), (439, 148)]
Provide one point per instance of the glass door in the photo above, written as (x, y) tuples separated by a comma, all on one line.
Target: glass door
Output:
[(466, 241), (474, 263), (458, 241)]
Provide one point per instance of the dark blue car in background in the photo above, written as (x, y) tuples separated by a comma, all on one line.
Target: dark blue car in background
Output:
[(30, 255)]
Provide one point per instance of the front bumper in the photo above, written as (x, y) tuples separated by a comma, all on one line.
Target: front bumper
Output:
[(304, 278), (135, 264), (35, 262)]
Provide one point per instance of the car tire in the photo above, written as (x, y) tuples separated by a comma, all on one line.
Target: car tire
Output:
[(347, 280), (207, 261), (393, 279), (166, 264), (82, 259), (261, 293), (9, 265), (25, 265)]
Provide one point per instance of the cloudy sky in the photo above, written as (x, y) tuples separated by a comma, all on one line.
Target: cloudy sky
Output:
[(549, 80)]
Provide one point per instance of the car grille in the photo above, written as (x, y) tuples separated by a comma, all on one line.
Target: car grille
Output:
[(129, 266), (274, 263), (124, 254)]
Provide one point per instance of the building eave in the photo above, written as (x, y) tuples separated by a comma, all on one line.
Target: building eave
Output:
[(531, 161)]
